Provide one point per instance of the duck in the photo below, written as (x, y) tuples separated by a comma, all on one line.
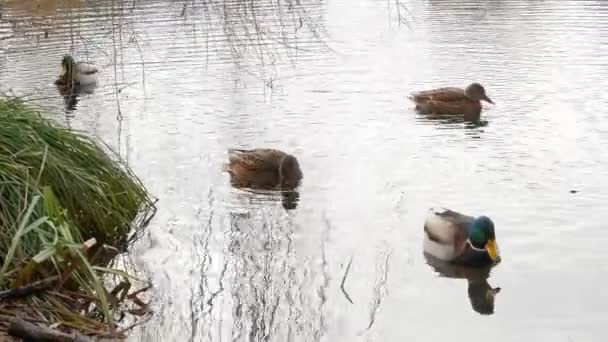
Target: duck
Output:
[(452, 101), (76, 73), (264, 169), (460, 239)]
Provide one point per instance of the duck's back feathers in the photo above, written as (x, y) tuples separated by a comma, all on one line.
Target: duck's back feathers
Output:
[(85, 74), (446, 94), (454, 217), (261, 168), (447, 226), (446, 234), (86, 69), (256, 159), (447, 101)]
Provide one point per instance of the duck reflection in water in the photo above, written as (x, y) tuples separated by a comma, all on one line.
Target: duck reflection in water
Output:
[(450, 122), (290, 199), (481, 294), (266, 169), (71, 94)]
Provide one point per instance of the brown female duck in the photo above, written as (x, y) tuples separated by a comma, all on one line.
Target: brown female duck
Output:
[(263, 168), (452, 101)]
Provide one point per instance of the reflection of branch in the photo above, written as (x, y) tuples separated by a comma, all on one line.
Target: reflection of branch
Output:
[(344, 280), (220, 289), (399, 7), (197, 308), (379, 290), (324, 286)]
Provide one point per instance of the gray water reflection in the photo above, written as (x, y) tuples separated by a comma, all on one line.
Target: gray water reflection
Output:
[(328, 81), (481, 294)]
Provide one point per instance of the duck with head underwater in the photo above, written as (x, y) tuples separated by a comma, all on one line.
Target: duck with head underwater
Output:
[(75, 74), (461, 239), (263, 168)]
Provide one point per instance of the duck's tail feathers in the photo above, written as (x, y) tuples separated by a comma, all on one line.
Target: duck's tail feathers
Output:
[(438, 210), (236, 155), (237, 150)]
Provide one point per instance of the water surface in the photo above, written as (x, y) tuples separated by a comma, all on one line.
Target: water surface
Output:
[(327, 80)]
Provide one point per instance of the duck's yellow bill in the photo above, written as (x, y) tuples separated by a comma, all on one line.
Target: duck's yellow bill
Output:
[(492, 250)]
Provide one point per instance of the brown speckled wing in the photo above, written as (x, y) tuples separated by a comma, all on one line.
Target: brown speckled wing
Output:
[(435, 237), (465, 107), (446, 94), (253, 168), (456, 217), (256, 160), (459, 223)]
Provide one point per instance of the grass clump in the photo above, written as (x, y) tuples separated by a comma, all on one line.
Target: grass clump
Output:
[(59, 190), (100, 196)]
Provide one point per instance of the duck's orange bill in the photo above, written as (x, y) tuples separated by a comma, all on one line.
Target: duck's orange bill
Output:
[(492, 250)]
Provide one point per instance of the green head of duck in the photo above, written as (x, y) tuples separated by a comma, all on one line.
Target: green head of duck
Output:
[(482, 236)]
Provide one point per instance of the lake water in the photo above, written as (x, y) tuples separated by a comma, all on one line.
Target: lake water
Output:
[(327, 80)]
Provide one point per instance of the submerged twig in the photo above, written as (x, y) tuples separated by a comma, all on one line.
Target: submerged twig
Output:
[(136, 292), (29, 289), (32, 332), (344, 280)]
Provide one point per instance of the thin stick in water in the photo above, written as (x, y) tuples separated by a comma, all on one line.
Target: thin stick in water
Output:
[(344, 280)]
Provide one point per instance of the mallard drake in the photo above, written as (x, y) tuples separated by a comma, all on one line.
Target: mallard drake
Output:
[(452, 101), (76, 74), (460, 239), (263, 168)]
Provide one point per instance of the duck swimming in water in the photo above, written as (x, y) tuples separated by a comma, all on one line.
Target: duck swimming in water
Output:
[(76, 73), (452, 101), (460, 239), (263, 168)]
